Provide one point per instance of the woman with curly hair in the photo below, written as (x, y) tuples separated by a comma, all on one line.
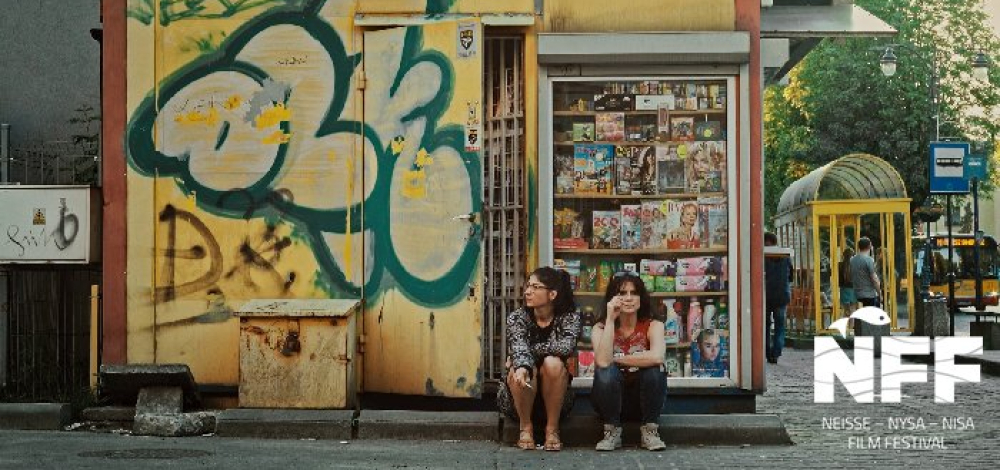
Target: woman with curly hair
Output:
[(541, 337)]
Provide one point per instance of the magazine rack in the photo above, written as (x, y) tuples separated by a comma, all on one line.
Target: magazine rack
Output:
[(640, 183)]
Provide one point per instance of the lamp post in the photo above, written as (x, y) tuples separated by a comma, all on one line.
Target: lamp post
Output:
[(980, 71)]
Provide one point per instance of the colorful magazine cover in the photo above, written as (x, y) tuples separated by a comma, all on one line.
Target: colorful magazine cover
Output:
[(717, 215), (607, 230), (683, 225), (709, 353), (564, 167), (663, 123), (705, 168), (707, 130), (631, 226), (623, 174), (583, 132), (593, 167), (654, 224), (568, 229), (682, 128), (670, 168), (610, 127), (642, 159)]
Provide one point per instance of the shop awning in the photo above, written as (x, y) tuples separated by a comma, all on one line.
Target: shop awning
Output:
[(724, 47), (856, 176), (805, 26)]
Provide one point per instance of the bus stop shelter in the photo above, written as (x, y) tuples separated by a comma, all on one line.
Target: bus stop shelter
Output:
[(828, 210)]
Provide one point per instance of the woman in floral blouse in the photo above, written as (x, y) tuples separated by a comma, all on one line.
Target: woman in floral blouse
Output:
[(540, 338)]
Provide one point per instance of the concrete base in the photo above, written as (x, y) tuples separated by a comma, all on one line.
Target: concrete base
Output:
[(35, 416), (990, 331), (285, 424), (457, 425), (121, 383), (174, 425), (728, 430)]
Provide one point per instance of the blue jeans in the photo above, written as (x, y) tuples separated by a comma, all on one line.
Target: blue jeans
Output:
[(640, 396), (775, 344)]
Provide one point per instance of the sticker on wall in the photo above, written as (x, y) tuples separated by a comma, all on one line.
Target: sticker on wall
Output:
[(467, 40), (473, 127), (39, 217), (472, 139)]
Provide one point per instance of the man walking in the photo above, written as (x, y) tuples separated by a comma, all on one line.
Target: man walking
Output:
[(864, 276), (777, 292)]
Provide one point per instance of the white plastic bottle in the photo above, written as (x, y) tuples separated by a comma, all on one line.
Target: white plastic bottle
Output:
[(708, 316), (671, 327)]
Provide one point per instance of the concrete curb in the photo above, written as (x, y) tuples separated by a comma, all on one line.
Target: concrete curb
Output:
[(429, 425), (713, 430), (35, 416), (285, 424)]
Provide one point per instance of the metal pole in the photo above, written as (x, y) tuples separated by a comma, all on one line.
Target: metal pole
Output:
[(951, 271), (978, 240), (4, 153), (925, 273)]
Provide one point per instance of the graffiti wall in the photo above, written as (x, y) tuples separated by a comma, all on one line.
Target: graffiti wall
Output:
[(275, 150)]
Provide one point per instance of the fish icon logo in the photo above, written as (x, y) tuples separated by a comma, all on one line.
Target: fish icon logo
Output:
[(870, 315)]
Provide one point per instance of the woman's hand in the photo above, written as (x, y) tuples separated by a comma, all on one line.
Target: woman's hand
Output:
[(613, 309), (521, 377)]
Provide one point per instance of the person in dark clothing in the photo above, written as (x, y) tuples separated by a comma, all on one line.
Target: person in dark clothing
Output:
[(777, 279)]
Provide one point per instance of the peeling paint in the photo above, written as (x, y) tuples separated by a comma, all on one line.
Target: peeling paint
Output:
[(429, 389)]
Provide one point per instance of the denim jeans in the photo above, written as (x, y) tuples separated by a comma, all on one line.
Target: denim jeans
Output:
[(640, 397), (775, 326)]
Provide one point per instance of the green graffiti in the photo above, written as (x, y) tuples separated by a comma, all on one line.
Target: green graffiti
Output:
[(263, 198), (436, 7), (145, 11)]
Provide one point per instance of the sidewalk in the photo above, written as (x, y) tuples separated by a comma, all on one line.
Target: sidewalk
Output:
[(789, 396)]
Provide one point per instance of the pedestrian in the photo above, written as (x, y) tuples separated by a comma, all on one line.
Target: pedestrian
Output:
[(848, 301), (541, 337), (864, 276), (629, 380), (778, 292)]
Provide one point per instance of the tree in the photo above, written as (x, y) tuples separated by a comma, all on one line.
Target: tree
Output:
[(838, 101)]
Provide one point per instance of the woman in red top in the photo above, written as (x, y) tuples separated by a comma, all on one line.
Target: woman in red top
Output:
[(628, 355)]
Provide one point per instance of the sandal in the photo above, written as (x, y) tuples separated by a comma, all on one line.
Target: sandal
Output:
[(526, 440), (552, 442)]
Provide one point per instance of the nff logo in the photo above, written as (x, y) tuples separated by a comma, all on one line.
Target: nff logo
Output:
[(858, 377)]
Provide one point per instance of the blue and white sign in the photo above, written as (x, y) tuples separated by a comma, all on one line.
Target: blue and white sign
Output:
[(947, 166), (975, 167)]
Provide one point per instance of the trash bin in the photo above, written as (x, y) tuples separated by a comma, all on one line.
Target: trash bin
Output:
[(297, 353), (862, 328)]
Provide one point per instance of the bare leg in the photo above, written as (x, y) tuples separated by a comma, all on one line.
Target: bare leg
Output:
[(554, 377), (524, 399)]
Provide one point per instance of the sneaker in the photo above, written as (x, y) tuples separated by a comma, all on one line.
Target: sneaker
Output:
[(650, 437), (612, 438)]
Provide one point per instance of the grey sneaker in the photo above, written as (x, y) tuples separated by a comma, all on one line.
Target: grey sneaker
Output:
[(650, 437), (612, 438)]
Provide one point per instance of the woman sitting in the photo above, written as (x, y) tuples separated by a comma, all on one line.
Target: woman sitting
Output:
[(540, 338), (628, 354)]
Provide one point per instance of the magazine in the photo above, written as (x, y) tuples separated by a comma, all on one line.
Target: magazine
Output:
[(623, 174), (670, 168), (568, 229), (642, 160), (631, 226), (707, 130), (682, 128), (564, 173), (610, 127), (663, 123), (607, 233), (705, 168), (583, 132), (717, 215), (654, 224), (592, 164), (683, 225)]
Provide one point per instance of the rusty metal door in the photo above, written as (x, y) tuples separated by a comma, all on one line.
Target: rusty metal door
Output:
[(423, 123)]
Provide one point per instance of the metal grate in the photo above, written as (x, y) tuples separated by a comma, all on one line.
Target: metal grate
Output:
[(52, 163), (504, 209)]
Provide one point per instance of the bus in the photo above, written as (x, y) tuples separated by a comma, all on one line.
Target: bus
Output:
[(964, 263)]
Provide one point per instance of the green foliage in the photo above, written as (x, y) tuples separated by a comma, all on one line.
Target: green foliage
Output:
[(840, 100)]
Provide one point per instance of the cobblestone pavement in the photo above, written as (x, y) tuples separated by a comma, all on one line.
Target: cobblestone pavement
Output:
[(790, 395)]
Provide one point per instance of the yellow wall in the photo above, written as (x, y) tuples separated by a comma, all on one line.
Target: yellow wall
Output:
[(639, 15), (459, 6), (256, 170)]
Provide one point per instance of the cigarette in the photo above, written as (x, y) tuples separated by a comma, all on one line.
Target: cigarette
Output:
[(528, 384)]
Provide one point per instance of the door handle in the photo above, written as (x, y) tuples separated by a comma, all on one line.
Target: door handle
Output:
[(470, 217)]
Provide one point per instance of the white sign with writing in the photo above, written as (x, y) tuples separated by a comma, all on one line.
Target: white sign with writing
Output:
[(48, 224)]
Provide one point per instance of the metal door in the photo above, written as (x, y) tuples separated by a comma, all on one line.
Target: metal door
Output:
[(423, 120)]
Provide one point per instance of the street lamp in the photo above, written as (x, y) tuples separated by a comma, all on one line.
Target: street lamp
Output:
[(980, 64)]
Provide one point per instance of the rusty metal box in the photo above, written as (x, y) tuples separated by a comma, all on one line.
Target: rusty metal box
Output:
[(297, 353)]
